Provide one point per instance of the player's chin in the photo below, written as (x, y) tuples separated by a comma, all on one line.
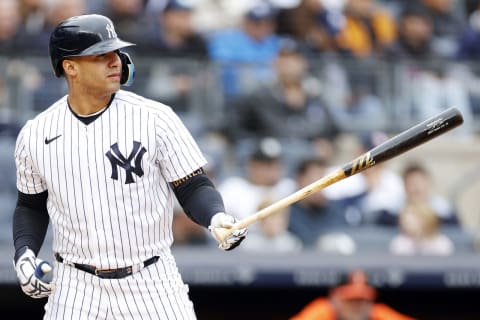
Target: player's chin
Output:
[(113, 86)]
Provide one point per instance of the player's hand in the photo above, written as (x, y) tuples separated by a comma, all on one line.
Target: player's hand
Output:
[(225, 221), (30, 271)]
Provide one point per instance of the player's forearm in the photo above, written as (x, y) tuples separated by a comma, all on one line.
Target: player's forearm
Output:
[(203, 204), (30, 222), (199, 199)]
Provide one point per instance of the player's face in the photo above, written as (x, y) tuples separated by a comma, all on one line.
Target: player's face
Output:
[(99, 74), (358, 309)]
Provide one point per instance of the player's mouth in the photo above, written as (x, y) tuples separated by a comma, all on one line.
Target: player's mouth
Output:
[(115, 76)]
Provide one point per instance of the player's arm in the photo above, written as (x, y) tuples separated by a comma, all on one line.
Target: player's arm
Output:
[(30, 223), (202, 202)]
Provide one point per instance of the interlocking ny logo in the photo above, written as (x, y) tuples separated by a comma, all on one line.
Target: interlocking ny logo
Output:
[(117, 159), (111, 31)]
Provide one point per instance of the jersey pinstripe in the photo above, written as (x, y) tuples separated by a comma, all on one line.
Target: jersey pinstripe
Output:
[(109, 201)]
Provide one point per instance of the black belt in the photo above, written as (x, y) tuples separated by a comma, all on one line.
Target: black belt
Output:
[(110, 273)]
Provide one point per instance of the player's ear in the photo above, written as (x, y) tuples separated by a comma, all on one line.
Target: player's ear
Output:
[(69, 67)]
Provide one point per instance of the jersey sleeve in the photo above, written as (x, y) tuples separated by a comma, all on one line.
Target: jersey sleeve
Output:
[(179, 154), (29, 181)]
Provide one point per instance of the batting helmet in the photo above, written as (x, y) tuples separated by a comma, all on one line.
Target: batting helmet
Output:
[(87, 35)]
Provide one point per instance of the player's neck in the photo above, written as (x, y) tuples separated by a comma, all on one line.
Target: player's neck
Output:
[(88, 104)]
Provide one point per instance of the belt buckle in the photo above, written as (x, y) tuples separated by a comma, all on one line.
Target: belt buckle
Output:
[(99, 272), (119, 273)]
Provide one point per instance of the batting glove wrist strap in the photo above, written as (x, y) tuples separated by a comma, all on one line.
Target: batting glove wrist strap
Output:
[(222, 220), (30, 271)]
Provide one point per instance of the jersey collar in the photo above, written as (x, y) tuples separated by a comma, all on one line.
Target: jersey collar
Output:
[(91, 117)]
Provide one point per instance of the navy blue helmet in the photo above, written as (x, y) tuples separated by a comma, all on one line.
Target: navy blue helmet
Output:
[(87, 35)]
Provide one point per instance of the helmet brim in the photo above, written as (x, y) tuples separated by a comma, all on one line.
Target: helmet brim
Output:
[(104, 47)]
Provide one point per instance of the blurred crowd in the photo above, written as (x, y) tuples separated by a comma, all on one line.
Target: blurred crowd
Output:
[(264, 52), (267, 87), (246, 40), (362, 28), (379, 210)]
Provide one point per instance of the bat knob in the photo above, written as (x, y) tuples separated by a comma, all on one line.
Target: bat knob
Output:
[(43, 268)]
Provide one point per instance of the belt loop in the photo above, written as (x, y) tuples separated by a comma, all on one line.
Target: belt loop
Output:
[(58, 257)]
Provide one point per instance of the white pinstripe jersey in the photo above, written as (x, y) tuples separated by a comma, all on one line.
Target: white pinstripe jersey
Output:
[(109, 201)]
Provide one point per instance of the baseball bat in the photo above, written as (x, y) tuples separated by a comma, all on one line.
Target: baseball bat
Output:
[(404, 141)]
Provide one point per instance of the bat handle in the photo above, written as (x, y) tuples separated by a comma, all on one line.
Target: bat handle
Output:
[(223, 233), (322, 183)]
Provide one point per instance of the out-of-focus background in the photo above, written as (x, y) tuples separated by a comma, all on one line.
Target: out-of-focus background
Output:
[(277, 93)]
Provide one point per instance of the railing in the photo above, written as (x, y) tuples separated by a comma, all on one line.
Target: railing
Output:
[(399, 93)]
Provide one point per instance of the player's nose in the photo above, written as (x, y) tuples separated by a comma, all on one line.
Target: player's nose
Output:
[(113, 60)]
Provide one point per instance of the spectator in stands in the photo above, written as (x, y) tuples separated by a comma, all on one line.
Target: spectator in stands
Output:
[(245, 53), (129, 18), (353, 298), (469, 38), (264, 177), (33, 15), (420, 233), (368, 29), (419, 190), (46, 87), (35, 41), (59, 10), (313, 24), (173, 39), (430, 88), (469, 51), (9, 27), (289, 108), (214, 15), (174, 35), (448, 22), (353, 93), (373, 196), (415, 35), (272, 236), (315, 216), (4, 103)]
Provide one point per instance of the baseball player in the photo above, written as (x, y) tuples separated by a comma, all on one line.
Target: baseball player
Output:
[(103, 166)]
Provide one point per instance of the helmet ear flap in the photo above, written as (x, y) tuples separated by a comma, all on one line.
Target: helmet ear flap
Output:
[(128, 69)]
